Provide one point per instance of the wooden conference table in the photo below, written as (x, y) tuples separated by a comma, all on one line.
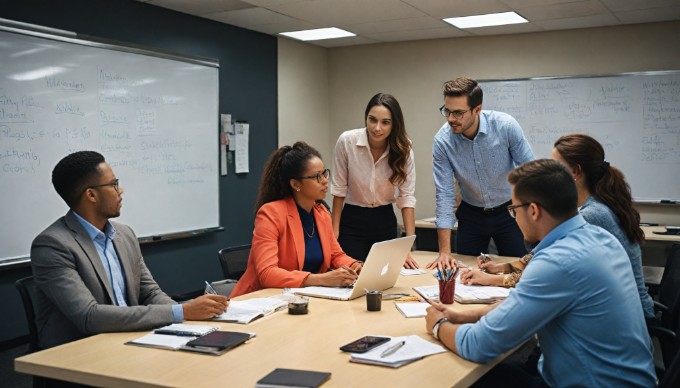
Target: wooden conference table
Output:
[(283, 341)]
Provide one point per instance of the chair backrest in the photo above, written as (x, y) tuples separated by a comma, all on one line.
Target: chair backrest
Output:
[(669, 289), (234, 261), (671, 378), (27, 289)]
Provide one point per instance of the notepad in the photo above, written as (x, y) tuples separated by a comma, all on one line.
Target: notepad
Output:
[(183, 329), (465, 294), (246, 311), (412, 309), (161, 341), (414, 349)]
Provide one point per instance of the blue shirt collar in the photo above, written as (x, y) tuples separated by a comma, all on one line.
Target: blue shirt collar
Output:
[(92, 231), (560, 231)]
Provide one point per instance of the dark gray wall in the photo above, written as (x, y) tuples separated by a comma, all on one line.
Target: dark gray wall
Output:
[(248, 90)]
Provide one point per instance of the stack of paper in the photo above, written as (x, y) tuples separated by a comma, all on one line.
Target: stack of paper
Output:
[(414, 349), (246, 311), (467, 294), (412, 309)]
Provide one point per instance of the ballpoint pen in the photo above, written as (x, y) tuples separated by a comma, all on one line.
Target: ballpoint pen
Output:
[(485, 259), (393, 349), (209, 289)]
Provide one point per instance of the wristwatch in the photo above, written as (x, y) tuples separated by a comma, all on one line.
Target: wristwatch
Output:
[(435, 328)]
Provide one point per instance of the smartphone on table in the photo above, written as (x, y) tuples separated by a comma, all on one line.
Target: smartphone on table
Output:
[(364, 344)]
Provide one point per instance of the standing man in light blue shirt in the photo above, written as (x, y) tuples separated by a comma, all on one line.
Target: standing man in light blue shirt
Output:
[(89, 270), (477, 148), (577, 293)]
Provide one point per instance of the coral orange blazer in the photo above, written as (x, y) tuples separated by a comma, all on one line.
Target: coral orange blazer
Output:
[(277, 255)]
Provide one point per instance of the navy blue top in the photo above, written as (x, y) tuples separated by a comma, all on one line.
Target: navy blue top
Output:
[(313, 252)]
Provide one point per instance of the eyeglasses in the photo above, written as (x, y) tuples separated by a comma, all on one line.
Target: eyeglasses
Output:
[(325, 174), (114, 184), (457, 114), (513, 212)]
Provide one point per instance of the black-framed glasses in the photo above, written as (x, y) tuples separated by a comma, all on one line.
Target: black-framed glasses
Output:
[(325, 174), (113, 184), (513, 212), (457, 114)]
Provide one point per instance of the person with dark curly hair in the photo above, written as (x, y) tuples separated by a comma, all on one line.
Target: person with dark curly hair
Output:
[(293, 242)]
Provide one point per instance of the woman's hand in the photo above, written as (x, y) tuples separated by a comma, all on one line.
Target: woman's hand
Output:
[(410, 263), (479, 278), (489, 266)]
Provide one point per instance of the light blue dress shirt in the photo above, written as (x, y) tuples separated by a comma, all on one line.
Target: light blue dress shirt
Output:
[(103, 242), (597, 213), (576, 295), (480, 165)]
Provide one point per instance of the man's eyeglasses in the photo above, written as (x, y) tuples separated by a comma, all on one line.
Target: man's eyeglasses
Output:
[(513, 212), (457, 114), (318, 176), (113, 184)]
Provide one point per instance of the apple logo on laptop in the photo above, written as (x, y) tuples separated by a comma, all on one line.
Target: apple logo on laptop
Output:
[(384, 269)]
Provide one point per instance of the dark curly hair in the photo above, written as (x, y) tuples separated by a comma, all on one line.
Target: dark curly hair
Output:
[(74, 173), (284, 164)]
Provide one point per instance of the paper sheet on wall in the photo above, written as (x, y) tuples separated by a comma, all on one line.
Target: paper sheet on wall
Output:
[(241, 142), (225, 120)]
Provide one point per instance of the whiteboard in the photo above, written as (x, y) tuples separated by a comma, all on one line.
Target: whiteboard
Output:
[(635, 116), (154, 119)]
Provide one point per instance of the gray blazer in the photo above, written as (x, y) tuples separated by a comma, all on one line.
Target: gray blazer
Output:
[(75, 299)]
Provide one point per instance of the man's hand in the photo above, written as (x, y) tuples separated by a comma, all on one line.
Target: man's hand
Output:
[(205, 307), (443, 261)]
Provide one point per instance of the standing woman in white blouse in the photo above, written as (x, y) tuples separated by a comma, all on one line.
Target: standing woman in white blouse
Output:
[(374, 168)]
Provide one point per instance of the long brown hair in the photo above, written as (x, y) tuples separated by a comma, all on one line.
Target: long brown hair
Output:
[(607, 183), (284, 164), (398, 142)]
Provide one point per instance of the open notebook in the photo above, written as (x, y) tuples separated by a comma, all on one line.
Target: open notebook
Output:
[(380, 272)]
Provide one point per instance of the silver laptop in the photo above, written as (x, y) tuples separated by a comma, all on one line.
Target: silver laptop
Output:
[(380, 271)]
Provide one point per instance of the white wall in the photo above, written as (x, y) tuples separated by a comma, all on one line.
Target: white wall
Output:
[(414, 72)]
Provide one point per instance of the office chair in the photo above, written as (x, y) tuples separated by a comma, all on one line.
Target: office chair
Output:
[(671, 378), (234, 261), (27, 290), (667, 305)]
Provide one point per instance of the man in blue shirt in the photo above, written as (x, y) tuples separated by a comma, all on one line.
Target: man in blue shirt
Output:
[(90, 272), (478, 148), (577, 293)]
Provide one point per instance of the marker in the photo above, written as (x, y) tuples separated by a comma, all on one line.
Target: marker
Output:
[(209, 289), (393, 349), (668, 201)]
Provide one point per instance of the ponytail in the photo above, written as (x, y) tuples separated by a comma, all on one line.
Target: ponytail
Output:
[(284, 164)]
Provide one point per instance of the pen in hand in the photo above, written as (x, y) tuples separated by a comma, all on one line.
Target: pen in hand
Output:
[(393, 349), (209, 289)]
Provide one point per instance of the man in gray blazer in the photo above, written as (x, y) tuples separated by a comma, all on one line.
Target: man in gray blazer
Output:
[(89, 271)]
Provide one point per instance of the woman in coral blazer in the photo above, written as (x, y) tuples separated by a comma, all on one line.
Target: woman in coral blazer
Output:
[(293, 241)]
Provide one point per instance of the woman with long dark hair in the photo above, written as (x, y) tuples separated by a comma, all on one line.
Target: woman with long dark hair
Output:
[(293, 241), (374, 168), (604, 200)]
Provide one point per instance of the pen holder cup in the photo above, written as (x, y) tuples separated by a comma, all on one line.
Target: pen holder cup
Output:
[(373, 300), (446, 291), (298, 306)]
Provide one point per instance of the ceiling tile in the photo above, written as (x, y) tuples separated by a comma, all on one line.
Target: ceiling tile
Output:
[(451, 8), (249, 17), (401, 36), (420, 23), (579, 22), (507, 29), (199, 8), (335, 12), (562, 10), (649, 15), (277, 28), (631, 5)]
